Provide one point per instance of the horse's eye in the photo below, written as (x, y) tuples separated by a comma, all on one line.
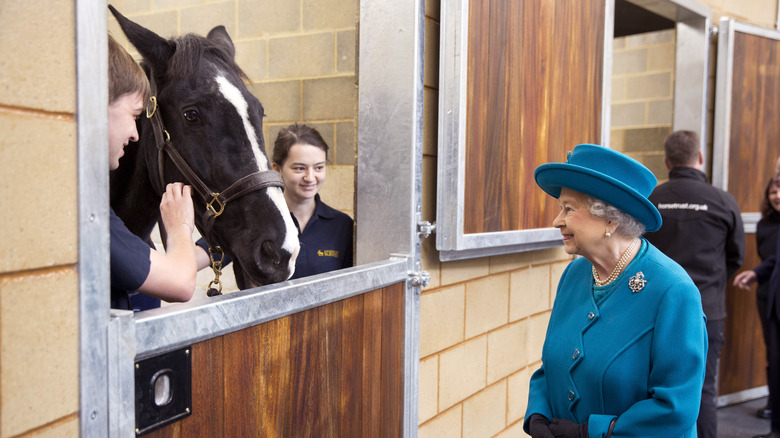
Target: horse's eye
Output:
[(191, 115)]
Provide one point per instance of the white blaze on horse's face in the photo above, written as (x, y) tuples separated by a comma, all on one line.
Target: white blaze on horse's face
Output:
[(234, 96)]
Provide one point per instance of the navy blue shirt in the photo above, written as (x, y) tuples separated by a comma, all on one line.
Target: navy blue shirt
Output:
[(326, 242), (129, 263)]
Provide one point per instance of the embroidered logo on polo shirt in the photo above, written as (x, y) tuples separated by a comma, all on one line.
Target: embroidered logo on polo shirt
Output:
[(327, 253)]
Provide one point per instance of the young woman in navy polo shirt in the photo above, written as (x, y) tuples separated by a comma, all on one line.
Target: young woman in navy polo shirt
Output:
[(325, 234)]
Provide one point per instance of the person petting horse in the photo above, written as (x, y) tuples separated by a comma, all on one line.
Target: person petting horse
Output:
[(325, 233), (135, 266)]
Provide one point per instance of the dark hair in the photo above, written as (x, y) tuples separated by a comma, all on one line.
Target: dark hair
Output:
[(124, 74), (766, 207), (682, 148), (296, 134)]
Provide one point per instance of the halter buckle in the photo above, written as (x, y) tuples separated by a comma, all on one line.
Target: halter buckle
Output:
[(215, 197), (152, 99)]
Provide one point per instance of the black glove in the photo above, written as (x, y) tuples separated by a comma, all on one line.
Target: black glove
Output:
[(539, 426), (562, 428)]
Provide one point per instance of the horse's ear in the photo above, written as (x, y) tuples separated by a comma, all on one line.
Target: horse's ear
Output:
[(155, 49), (220, 37)]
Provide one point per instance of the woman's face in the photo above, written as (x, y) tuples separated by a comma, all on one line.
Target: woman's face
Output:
[(122, 114), (774, 196), (582, 232), (303, 172)]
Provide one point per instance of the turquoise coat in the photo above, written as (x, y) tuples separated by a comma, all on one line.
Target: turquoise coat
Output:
[(639, 356)]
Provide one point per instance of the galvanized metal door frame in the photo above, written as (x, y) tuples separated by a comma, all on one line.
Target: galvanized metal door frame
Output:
[(388, 245), (690, 97), (720, 145), (93, 259), (451, 241)]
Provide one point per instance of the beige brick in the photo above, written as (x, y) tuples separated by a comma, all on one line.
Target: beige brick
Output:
[(281, 102), (655, 85), (329, 98), (513, 431), (251, 57), (202, 18), (345, 143), (462, 371), (448, 424), (487, 301), (648, 38), (428, 392), (430, 122), (38, 66), (327, 132), (617, 139), (506, 351), (171, 4), (660, 112), (430, 262), (164, 24), (517, 398), (618, 89), (346, 51), (431, 78), (301, 56), (268, 17), (556, 271), (130, 7), (39, 377), (661, 57), (38, 189), (329, 14), (484, 414), (339, 188), (628, 114), (537, 329), (654, 162), (441, 319), (529, 292), (760, 12), (629, 61), (462, 270), (544, 256), (643, 140), (510, 262)]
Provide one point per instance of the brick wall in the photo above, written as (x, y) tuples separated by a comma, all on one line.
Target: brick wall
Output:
[(643, 96), (38, 220)]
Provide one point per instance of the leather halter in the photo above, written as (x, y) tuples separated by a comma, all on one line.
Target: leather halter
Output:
[(246, 184)]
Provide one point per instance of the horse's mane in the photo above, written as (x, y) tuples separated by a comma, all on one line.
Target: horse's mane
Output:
[(190, 49)]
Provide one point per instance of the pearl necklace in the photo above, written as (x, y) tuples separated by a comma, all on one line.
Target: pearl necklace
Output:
[(618, 268)]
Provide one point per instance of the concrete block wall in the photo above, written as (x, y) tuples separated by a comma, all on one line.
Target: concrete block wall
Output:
[(300, 56), (643, 96), (39, 318)]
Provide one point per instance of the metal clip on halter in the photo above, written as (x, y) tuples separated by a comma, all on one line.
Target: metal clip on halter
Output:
[(152, 99), (215, 197), (216, 266)]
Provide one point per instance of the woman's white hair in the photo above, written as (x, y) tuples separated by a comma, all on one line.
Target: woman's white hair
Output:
[(627, 225)]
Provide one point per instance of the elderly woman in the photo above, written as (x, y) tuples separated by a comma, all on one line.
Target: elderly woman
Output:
[(626, 343)]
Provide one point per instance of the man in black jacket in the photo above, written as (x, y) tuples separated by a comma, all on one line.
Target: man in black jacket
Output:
[(702, 231)]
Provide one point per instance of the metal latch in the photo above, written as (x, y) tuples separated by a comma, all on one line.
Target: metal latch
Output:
[(425, 229), (419, 278)]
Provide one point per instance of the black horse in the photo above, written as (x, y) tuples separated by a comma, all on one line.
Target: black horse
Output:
[(206, 129)]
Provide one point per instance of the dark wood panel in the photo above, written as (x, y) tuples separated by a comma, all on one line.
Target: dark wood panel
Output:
[(533, 93), (332, 371), (743, 359), (755, 111)]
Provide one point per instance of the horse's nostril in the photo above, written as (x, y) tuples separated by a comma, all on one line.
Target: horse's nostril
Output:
[(268, 251)]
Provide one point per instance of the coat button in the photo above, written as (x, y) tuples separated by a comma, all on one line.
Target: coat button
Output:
[(591, 315), (576, 354), (571, 395)]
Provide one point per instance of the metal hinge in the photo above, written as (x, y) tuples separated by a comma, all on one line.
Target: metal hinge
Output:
[(419, 278), (425, 228)]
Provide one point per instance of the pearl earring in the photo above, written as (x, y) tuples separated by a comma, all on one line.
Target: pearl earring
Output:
[(608, 234)]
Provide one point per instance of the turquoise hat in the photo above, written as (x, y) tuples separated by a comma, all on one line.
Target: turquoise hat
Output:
[(607, 175)]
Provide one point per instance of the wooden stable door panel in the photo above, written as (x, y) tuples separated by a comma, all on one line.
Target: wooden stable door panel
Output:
[(332, 371), (743, 358), (534, 91), (755, 111)]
